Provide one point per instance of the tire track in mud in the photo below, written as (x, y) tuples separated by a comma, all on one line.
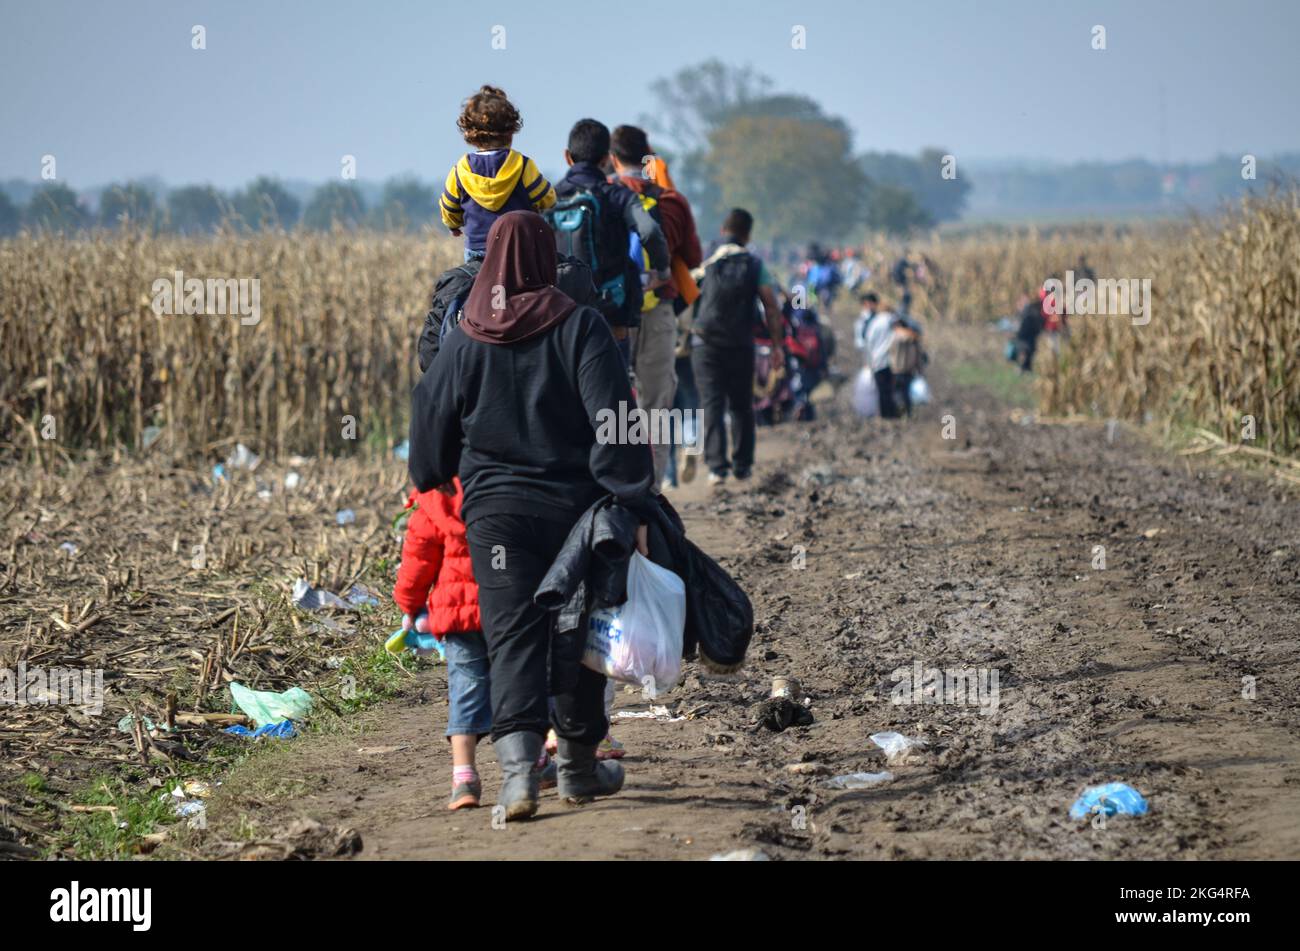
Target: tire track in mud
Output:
[(971, 553)]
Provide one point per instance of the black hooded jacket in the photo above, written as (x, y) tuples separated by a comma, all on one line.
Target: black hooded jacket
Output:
[(518, 422)]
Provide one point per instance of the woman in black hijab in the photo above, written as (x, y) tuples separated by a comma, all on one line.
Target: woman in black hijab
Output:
[(510, 405)]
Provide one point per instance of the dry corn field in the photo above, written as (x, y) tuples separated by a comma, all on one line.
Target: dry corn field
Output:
[(1223, 342), (87, 359), (84, 349)]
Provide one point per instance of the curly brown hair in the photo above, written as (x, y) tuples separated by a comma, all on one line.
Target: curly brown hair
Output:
[(488, 118)]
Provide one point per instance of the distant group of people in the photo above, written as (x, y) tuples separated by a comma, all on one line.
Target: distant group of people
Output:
[(1042, 316), (827, 271), (586, 296), (892, 348)]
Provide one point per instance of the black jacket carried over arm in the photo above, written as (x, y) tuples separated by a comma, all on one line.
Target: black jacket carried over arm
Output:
[(590, 572), (517, 422)]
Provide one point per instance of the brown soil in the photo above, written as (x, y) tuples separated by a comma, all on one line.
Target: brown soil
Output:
[(974, 552)]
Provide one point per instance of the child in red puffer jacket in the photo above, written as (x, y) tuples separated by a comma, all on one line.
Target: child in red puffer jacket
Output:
[(436, 574)]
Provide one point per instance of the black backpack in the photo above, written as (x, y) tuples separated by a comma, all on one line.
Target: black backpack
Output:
[(449, 295), (725, 310), (452, 290)]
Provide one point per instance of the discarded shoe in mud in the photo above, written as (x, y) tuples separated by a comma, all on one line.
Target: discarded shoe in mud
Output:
[(1112, 799), (781, 713)]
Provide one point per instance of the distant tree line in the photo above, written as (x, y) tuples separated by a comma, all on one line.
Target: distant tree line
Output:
[(403, 203), (731, 141)]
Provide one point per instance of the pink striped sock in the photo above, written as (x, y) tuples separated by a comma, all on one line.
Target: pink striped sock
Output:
[(463, 774)]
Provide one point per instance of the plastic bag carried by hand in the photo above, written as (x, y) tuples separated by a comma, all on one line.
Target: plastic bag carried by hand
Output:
[(866, 398), (919, 390), (642, 637)]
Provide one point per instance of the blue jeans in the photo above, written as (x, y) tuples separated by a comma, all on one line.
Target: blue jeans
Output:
[(469, 689)]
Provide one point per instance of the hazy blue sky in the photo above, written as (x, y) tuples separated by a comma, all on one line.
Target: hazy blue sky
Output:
[(113, 89)]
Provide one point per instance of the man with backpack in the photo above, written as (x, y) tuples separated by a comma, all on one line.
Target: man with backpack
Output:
[(594, 220), (732, 283), (654, 349)]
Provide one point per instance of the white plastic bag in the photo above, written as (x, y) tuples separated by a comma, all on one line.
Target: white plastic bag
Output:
[(866, 398), (642, 637), (919, 390)]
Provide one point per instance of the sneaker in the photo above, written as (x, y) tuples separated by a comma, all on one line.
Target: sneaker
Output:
[(741, 475), (610, 748), (717, 478), (667, 485), (686, 471), (466, 795)]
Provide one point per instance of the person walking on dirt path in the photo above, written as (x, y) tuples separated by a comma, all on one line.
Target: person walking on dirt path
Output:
[(877, 336), (1031, 327), (595, 220), (653, 350), (902, 274), (732, 282), (435, 588), (906, 358), (511, 406)]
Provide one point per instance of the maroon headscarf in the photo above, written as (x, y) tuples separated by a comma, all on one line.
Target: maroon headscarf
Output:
[(519, 272)]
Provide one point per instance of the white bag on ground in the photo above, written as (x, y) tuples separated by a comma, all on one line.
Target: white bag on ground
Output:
[(919, 390), (642, 637), (866, 398)]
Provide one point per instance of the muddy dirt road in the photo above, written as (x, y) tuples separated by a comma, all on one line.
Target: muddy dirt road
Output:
[(871, 549)]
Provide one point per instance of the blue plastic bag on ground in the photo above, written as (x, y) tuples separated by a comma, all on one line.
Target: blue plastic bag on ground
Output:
[(1113, 799), (277, 731)]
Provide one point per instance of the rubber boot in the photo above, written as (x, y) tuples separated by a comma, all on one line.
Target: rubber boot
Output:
[(582, 777), (517, 754)]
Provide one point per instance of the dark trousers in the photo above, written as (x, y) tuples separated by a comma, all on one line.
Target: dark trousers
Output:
[(1027, 346), (903, 393), (511, 554), (724, 377), (686, 398), (885, 388)]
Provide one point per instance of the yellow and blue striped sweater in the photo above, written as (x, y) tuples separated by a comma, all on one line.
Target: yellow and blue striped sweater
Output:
[(482, 186)]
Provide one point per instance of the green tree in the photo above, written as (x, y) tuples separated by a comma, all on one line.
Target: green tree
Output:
[(406, 204), (689, 106), (54, 207), (131, 202), (895, 210), (796, 175), (10, 217), (942, 199), (195, 209), (334, 203), (266, 204)]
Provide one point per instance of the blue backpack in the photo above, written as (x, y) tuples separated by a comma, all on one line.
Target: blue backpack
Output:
[(576, 220)]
